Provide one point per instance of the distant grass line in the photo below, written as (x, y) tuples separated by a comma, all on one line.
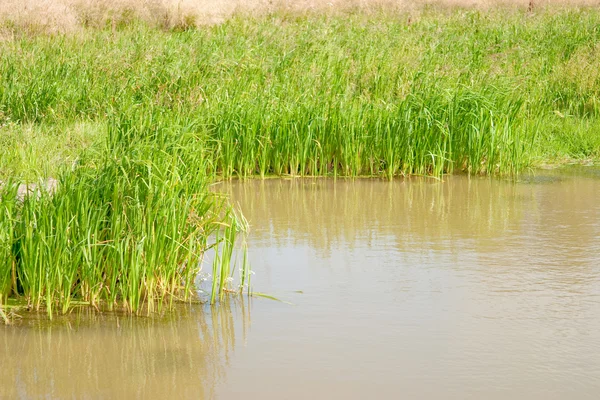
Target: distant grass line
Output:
[(53, 16), (135, 122)]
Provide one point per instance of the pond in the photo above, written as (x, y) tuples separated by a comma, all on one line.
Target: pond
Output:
[(411, 288)]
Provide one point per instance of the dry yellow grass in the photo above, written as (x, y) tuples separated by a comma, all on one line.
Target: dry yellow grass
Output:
[(70, 15)]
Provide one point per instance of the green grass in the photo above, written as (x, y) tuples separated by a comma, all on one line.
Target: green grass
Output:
[(127, 226), (31, 151), (353, 94), (135, 123)]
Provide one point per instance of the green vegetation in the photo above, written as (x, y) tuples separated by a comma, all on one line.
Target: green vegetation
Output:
[(135, 122), (127, 226), (358, 94)]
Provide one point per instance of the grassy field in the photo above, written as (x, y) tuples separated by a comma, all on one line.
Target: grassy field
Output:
[(136, 119), (310, 94)]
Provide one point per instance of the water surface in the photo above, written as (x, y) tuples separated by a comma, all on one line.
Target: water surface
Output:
[(466, 288)]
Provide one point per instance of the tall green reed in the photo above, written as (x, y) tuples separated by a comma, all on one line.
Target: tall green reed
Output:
[(127, 227), (8, 205), (355, 94)]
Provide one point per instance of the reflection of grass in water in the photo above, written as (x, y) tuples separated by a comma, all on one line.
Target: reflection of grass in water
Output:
[(416, 214), (539, 179), (182, 353), (587, 171)]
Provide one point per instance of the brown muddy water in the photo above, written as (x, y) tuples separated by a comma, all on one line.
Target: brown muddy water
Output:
[(416, 289)]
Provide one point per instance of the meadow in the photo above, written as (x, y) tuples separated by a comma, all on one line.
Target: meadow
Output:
[(135, 119)]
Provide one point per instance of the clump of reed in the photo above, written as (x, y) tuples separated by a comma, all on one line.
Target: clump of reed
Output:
[(428, 132), (127, 227)]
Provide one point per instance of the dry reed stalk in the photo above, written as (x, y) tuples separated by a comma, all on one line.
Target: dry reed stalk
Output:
[(53, 16)]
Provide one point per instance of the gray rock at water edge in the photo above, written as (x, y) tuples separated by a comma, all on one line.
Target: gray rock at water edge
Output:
[(26, 189)]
